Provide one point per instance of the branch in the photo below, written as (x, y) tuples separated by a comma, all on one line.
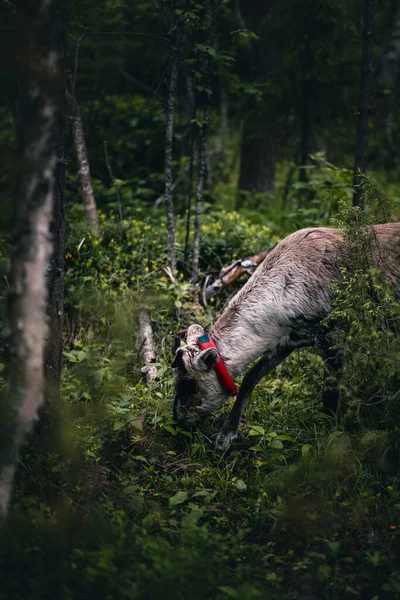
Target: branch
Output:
[(230, 274), (141, 84), (146, 345)]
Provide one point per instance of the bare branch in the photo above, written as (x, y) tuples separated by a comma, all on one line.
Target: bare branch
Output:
[(146, 345)]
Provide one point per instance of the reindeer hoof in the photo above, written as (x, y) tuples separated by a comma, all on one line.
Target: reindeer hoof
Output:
[(224, 440)]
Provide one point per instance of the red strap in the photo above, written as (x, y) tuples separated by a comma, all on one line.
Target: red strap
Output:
[(220, 369)]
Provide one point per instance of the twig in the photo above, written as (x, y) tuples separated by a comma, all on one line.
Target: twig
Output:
[(77, 47), (145, 345)]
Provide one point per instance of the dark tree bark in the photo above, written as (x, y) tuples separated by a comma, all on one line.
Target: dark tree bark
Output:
[(46, 429), (261, 129), (47, 426), (305, 134), (203, 170), (169, 138), (191, 171), (39, 71), (389, 77), (360, 162), (199, 197), (258, 151)]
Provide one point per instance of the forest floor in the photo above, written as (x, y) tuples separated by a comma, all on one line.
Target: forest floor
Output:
[(130, 505)]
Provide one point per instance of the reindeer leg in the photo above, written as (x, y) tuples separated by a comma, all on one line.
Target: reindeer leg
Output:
[(265, 364)]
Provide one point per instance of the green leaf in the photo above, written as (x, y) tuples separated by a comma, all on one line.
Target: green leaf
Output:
[(305, 449), (286, 438), (119, 425), (275, 443), (256, 430), (240, 485), (179, 498)]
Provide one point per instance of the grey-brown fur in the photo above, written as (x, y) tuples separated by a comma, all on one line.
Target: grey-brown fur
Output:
[(277, 310)]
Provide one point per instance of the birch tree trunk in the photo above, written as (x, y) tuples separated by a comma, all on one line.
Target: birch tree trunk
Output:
[(39, 72), (89, 201), (169, 138), (360, 162)]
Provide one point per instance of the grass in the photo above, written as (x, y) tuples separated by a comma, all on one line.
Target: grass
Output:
[(132, 506)]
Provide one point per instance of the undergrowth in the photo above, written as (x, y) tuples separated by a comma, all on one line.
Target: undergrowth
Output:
[(131, 505)]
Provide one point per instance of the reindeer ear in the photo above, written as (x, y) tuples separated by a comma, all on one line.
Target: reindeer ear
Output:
[(194, 332), (206, 360), (178, 362)]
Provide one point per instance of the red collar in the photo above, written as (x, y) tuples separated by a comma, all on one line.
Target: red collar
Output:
[(205, 341)]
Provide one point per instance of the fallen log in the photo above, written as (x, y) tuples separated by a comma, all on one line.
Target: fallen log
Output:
[(230, 274), (145, 345)]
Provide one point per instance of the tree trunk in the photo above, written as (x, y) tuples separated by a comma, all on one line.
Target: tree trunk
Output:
[(88, 198), (39, 73), (204, 168), (46, 429), (169, 138), (199, 197), (360, 162), (389, 76), (191, 170), (258, 156), (305, 136)]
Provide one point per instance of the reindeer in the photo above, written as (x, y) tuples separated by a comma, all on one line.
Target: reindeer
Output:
[(278, 310)]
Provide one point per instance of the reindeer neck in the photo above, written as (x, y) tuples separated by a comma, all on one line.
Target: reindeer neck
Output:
[(237, 343)]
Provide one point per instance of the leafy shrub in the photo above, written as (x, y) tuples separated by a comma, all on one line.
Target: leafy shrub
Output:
[(367, 311)]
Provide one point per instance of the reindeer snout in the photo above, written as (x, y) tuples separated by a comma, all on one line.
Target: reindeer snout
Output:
[(186, 390)]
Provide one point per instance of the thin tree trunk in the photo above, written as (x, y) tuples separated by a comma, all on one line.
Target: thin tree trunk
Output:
[(191, 165), (169, 138), (389, 76), (360, 162), (39, 71), (203, 170), (118, 195), (305, 136), (89, 201), (199, 197)]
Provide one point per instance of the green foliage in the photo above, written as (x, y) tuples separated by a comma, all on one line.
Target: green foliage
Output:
[(367, 311), (317, 199), (132, 505)]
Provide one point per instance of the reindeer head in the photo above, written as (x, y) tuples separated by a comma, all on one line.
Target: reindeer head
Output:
[(196, 383)]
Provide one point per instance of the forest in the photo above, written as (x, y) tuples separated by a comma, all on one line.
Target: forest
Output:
[(153, 156)]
